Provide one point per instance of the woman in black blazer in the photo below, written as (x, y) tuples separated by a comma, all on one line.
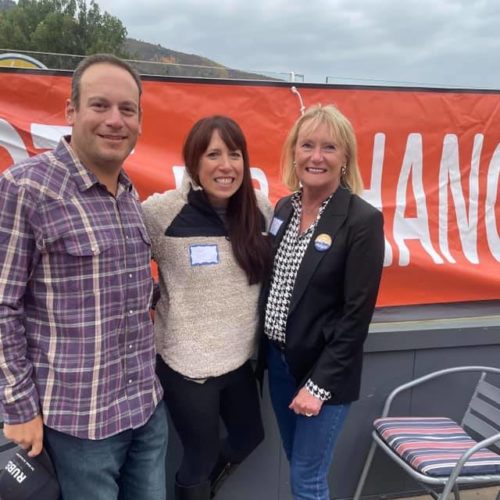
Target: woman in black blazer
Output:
[(329, 249)]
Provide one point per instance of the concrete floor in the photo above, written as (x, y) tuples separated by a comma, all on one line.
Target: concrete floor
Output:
[(481, 494)]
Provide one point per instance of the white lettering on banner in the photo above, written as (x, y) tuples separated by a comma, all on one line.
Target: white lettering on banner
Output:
[(12, 142), (466, 211), (47, 136), (257, 175), (178, 171), (449, 178), (43, 136), (490, 219), (260, 176), (374, 194), (412, 228)]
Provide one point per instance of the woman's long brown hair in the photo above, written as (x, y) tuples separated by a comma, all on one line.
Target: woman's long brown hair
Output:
[(245, 222)]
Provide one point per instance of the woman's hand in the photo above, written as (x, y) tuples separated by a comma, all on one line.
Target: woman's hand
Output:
[(304, 403)]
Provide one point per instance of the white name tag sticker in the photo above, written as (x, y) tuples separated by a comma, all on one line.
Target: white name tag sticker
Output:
[(203, 255), (275, 226)]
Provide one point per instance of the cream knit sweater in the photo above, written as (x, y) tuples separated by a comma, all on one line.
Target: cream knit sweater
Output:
[(206, 318)]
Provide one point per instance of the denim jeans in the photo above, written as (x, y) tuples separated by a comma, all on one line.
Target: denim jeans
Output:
[(127, 466), (308, 441)]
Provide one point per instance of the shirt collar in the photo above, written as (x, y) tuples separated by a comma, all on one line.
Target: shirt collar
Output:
[(297, 202), (83, 177)]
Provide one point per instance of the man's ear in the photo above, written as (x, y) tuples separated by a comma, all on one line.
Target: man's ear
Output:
[(70, 112), (140, 121)]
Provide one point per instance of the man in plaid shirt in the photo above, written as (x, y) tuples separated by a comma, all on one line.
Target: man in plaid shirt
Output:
[(77, 361)]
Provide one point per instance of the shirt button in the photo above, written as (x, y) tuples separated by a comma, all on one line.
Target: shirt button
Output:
[(130, 346), (130, 380), (130, 275)]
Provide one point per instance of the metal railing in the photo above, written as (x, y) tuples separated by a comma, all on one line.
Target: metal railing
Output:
[(57, 61)]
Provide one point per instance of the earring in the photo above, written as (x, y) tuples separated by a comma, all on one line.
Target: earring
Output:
[(343, 170)]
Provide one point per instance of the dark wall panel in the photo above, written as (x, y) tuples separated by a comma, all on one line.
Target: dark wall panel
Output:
[(264, 476)]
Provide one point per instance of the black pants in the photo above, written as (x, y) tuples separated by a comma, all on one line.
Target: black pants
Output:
[(196, 410)]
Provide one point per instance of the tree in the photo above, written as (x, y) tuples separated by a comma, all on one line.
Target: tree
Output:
[(61, 26)]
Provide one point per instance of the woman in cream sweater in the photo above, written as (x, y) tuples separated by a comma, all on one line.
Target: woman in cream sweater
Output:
[(209, 241)]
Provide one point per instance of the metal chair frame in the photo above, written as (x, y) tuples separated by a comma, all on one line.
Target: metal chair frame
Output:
[(471, 420)]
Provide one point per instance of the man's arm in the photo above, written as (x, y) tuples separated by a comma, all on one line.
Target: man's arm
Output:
[(18, 395)]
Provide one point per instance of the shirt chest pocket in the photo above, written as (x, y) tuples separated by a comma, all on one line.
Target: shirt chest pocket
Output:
[(80, 258), (69, 228), (80, 244), (82, 263)]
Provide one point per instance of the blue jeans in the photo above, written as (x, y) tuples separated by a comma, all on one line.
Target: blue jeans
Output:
[(308, 441), (127, 466)]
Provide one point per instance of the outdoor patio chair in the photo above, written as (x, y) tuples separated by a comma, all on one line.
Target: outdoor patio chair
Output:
[(436, 451)]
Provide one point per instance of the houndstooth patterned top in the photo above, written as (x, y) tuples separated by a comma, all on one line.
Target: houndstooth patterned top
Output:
[(286, 265)]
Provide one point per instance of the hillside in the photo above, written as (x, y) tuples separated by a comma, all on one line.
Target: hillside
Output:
[(6, 4), (173, 63)]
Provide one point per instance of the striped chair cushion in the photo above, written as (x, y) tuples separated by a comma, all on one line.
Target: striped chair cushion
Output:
[(433, 446)]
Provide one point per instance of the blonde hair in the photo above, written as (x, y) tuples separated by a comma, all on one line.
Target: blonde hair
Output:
[(340, 128)]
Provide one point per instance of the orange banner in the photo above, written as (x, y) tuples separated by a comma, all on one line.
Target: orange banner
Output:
[(430, 161)]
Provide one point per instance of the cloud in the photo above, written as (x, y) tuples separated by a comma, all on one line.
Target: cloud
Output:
[(453, 42)]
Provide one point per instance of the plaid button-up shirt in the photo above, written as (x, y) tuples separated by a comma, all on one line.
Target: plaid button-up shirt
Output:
[(76, 340)]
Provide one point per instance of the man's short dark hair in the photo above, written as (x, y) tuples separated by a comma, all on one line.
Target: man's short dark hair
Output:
[(99, 59)]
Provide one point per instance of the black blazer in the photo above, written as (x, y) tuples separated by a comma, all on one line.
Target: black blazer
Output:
[(334, 295)]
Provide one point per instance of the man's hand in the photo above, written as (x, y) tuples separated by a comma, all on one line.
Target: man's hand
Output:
[(28, 435), (304, 403)]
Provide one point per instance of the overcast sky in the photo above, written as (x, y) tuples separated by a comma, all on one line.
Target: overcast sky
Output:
[(437, 42)]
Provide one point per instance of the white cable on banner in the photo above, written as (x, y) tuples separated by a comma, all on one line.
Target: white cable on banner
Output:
[(297, 93)]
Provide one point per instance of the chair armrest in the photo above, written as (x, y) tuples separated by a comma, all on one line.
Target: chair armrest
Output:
[(458, 467), (431, 376)]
